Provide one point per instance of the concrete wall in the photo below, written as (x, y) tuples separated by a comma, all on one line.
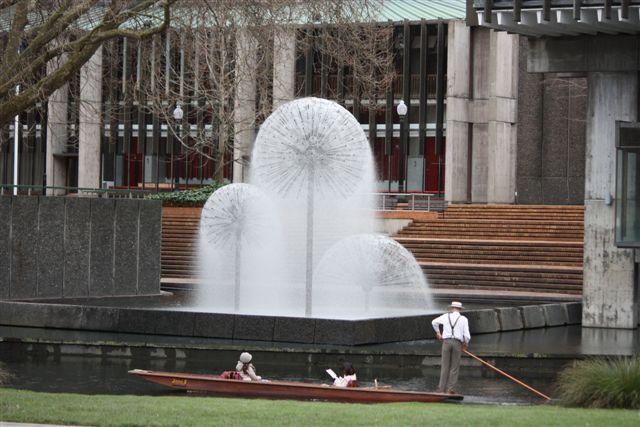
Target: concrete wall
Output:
[(610, 294), (481, 115), (57, 247), (611, 284), (509, 130), (551, 137), (273, 328)]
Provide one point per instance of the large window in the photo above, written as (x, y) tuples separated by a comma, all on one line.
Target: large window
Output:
[(628, 185)]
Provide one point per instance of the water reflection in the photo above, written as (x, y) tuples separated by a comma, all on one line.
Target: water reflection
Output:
[(567, 340), (537, 356), (47, 371)]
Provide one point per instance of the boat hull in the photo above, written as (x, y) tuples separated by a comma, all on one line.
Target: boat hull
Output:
[(285, 389)]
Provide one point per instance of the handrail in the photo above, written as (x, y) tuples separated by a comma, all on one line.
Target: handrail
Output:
[(389, 201)]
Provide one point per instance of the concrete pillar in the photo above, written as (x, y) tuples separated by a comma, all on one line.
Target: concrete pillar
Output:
[(284, 66), (458, 92), (609, 298), (503, 113), (57, 110), (244, 103), (90, 130)]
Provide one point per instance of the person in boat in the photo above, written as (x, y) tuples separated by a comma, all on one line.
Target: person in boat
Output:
[(246, 369), (453, 330), (348, 378)]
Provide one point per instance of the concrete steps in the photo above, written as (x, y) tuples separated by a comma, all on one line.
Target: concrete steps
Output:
[(500, 228), (179, 242), (522, 278), (500, 247), (495, 251), (515, 248)]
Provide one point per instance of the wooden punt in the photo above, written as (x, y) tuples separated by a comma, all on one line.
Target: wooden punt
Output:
[(286, 389)]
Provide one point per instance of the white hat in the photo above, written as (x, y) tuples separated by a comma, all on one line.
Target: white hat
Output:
[(245, 357), (456, 304)]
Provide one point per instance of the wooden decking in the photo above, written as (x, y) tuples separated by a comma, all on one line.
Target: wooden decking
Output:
[(501, 247)]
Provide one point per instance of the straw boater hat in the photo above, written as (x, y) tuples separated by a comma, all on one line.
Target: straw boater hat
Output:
[(456, 304), (245, 357)]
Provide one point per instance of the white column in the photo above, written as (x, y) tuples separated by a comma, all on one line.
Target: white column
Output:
[(284, 66), (245, 103), (608, 290), (503, 113), (89, 134), (57, 136), (458, 91)]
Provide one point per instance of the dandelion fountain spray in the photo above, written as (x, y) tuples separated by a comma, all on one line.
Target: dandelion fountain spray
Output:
[(300, 236)]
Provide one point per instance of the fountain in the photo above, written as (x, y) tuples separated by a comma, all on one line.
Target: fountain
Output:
[(298, 240), (290, 257)]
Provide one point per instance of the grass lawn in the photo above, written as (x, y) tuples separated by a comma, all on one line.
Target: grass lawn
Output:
[(182, 410)]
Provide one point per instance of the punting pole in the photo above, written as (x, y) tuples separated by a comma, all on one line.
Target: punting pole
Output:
[(507, 375)]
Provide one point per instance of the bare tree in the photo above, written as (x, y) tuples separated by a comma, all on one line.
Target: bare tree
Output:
[(37, 32), (219, 47)]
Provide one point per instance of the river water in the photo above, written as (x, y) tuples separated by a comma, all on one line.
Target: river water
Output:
[(54, 368)]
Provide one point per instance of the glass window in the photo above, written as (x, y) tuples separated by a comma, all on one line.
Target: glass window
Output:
[(628, 185)]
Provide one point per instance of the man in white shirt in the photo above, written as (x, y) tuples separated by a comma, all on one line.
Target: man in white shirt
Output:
[(455, 339)]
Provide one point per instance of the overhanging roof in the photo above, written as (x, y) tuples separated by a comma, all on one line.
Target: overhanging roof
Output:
[(552, 18), (416, 10)]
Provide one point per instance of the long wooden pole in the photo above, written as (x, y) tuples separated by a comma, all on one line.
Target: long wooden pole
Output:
[(507, 375)]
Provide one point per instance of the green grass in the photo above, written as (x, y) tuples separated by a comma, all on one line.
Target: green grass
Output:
[(181, 410), (601, 383)]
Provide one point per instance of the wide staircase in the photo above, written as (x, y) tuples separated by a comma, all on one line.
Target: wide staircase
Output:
[(523, 248), (179, 245), (468, 247)]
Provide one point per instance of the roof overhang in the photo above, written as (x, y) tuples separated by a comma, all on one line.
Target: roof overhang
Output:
[(554, 18)]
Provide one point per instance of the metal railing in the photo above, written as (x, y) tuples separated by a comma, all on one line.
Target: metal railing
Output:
[(410, 201), (427, 202)]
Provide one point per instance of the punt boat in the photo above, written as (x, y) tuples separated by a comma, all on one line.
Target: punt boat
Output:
[(217, 385)]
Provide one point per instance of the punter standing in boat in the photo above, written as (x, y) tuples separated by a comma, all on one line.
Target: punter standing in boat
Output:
[(455, 339), (246, 369)]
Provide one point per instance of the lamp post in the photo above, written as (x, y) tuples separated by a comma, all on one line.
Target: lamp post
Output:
[(178, 114), (16, 146), (402, 110)]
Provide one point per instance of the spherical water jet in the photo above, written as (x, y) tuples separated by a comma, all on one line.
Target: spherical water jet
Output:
[(314, 169), (236, 223), (312, 150), (370, 275)]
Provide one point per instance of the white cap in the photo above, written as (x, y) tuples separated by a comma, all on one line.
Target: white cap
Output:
[(456, 304), (245, 357)]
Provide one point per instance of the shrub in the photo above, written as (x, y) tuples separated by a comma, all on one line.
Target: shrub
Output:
[(601, 383), (5, 376), (193, 197)]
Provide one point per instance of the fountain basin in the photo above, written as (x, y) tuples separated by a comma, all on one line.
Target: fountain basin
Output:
[(82, 315)]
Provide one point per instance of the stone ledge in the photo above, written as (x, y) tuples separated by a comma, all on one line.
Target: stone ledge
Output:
[(275, 328)]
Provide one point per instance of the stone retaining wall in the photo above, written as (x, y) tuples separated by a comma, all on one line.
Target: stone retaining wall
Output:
[(273, 328), (59, 247)]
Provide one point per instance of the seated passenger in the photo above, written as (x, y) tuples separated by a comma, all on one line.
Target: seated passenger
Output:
[(348, 378), (246, 369)]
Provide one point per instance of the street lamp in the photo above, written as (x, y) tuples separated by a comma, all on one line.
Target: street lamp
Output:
[(402, 110), (178, 114)]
